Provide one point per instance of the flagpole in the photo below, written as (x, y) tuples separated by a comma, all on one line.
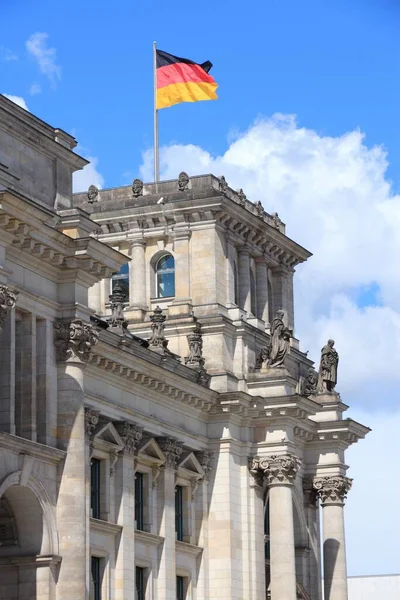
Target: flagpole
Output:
[(156, 154)]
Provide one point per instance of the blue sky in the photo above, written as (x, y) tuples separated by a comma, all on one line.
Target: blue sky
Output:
[(332, 172), (333, 64)]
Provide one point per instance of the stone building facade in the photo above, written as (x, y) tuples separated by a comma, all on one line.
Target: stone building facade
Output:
[(162, 435)]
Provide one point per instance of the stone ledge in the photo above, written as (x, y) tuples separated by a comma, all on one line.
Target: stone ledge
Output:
[(188, 549), (23, 561), (147, 538), (19, 445), (99, 526)]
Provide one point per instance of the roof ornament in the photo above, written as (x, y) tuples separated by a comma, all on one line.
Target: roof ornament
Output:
[(260, 209), (242, 197), (92, 194), (223, 185), (137, 188), (183, 181)]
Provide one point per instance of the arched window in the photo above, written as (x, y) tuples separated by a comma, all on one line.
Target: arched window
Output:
[(165, 276), (253, 297), (122, 278)]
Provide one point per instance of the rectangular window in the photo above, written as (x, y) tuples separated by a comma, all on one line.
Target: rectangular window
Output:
[(96, 577), (140, 584), (139, 501), (95, 488), (180, 588), (179, 512)]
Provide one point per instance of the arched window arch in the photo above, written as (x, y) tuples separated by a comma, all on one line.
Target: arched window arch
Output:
[(253, 291), (122, 278), (165, 276)]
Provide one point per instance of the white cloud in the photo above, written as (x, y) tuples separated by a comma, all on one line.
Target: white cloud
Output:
[(334, 197), (35, 89), (88, 176), (17, 100), (8, 55), (44, 56)]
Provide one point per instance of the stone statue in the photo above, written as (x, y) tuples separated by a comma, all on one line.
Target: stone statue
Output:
[(310, 383), (276, 220), (259, 209), (223, 186), (280, 341), (183, 181), (242, 197), (137, 188), (92, 194), (327, 376)]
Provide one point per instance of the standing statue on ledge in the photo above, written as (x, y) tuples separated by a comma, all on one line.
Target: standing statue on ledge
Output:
[(327, 376), (280, 341)]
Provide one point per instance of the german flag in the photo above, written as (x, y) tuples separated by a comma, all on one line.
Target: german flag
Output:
[(182, 80)]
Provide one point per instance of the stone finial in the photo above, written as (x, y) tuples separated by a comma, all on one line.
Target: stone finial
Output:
[(92, 194), (310, 383), (278, 469), (117, 300), (309, 492), (130, 434), (91, 420), (137, 188), (195, 341), (328, 368), (74, 340), (332, 490), (8, 298), (259, 209), (223, 185), (172, 449), (205, 459), (242, 197), (183, 181), (276, 220), (157, 341)]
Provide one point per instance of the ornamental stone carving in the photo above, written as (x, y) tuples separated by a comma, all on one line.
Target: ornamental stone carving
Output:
[(172, 449), (276, 220), (74, 340), (332, 490), (195, 342), (223, 185), (157, 341), (277, 469), (310, 383), (259, 209), (183, 181), (242, 197), (92, 194), (137, 188), (328, 368), (280, 341), (8, 298), (91, 421), (205, 460), (130, 434), (309, 492), (257, 473), (117, 300)]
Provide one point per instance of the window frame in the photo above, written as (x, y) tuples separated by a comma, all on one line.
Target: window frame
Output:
[(164, 271)]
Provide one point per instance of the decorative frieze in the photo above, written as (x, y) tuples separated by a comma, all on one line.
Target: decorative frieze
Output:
[(332, 490), (277, 469), (8, 298), (91, 421), (130, 434), (172, 449), (74, 340)]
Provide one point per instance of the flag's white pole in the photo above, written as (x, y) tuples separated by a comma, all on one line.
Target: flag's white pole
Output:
[(156, 155)]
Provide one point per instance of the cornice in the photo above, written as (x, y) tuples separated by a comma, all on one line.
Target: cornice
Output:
[(19, 445), (345, 431), (148, 539), (188, 549), (99, 526)]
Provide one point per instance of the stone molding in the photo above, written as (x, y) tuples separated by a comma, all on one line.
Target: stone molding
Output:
[(74, 340), (276, 469), (8, 298), (172, 449), (332, 489), (130, 434)]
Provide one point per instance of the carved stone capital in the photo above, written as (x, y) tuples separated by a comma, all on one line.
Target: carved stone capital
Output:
[(277, 469), (172, 450), (332, 490), (205, 460), (255, 470), (91, 420), (130, 434), (8, 298), (74, 340), (309, 492)]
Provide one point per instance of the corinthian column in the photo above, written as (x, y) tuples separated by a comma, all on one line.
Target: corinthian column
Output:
[(332, 491), (73, 340), (280, 472)]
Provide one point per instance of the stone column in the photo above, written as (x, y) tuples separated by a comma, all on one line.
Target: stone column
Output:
[(332, 491), (280, 472), (125, 511), (262, 289), (73, 341), (244, 280), (166, 581), (137, 279)]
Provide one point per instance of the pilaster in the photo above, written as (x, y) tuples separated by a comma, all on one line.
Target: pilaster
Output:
[(244, 280)]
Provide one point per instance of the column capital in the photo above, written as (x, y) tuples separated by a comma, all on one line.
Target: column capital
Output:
[(8, 298), (138, 242), (243, 249), (130, 434), (74, 339), (277, 469), (332, 489), (172, 449)]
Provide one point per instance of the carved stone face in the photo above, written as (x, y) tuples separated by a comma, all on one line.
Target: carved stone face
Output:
[(137, 188), (331, 343), (183, 181), (92, 193)]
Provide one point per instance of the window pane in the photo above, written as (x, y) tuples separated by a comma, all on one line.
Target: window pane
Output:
[(95, 488), (166, 285), (166, 262), (180, 588), (96, 578), (179, 512), (139, 500), (140, 584)]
